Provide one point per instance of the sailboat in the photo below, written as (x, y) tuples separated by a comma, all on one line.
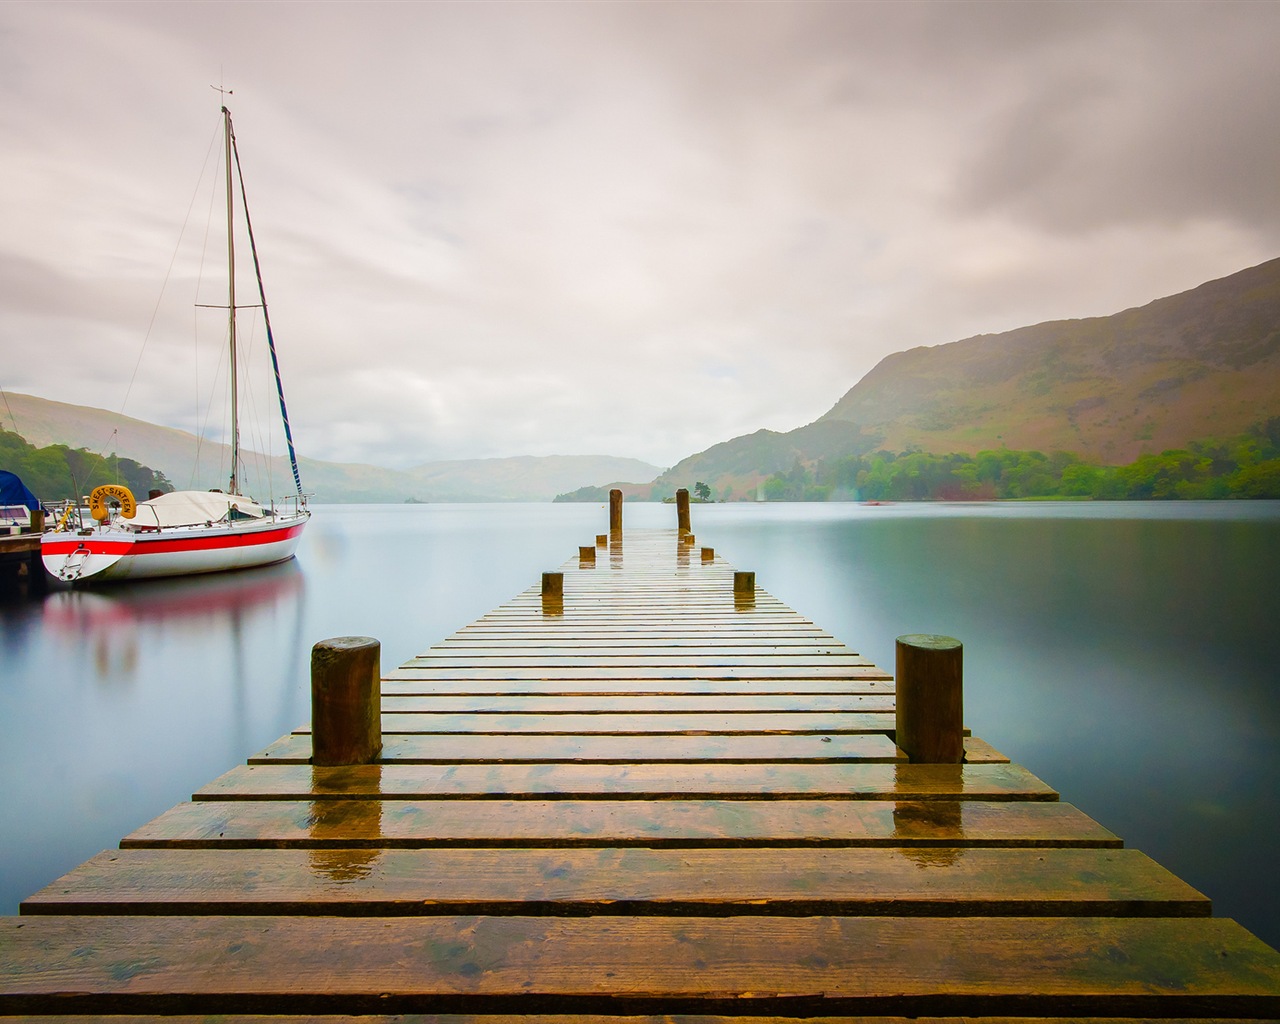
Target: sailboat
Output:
[(186, 532)]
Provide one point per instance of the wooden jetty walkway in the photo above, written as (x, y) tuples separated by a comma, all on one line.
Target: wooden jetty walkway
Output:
[(650, 795)]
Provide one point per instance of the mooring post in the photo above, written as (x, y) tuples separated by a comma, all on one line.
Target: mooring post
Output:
[(708, 554), (930, 698), (587, 554), (602, 540), (682, 510), (553, 584), (615, 510), (744, 583), (346, 701)]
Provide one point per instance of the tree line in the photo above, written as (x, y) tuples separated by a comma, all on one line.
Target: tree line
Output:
[(56, 472), (1243, 467)]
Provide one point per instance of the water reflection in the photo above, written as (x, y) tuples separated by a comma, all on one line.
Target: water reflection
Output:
[(345, 822), (112, 622), (916, 821)]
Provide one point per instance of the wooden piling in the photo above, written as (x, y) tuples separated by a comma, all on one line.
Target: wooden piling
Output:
[(615, 510), (744, 582), (553, 584), (708, 554), (346, 701), (682, 511), (930, 703), (602, 540), (587, 554)]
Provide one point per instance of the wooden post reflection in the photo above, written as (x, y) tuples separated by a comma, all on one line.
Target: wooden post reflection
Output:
[(346, 833)]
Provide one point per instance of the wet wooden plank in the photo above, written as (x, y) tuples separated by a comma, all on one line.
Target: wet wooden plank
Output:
[(771, 673), (796, 966), (636, 724), (680, 658), (390, 824), (579, 1018), (651, 781), (553, 626), (415, 681), (869, 747), (641, 703), (612, 881), (625, 644)]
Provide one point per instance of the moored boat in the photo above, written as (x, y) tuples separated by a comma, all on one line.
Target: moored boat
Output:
[(186, 532)]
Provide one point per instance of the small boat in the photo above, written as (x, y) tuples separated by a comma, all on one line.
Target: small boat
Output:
[(16, 504), (185, 532)]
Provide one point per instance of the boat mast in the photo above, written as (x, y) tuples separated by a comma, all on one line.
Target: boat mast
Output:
[(233, 486)]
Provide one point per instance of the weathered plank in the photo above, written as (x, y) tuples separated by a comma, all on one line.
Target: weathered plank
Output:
[(416, 681), (613, 881), (644, 781), (515, 749), (795, 966), (629, 644), (678, 658), (642, 703), (592, 1018), (389, 824), (635, 724), (674, 672)]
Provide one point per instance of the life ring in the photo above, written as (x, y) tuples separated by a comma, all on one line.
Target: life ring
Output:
[(98, 501)]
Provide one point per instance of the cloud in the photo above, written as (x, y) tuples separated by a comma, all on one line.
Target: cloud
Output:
[(507, 228)]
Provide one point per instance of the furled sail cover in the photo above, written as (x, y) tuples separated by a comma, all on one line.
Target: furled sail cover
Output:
[(192, 508)]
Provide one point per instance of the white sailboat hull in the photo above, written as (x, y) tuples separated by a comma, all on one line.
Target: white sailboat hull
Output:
[(114, 553)]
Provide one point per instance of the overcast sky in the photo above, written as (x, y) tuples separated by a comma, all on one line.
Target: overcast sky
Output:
[(634, 229)]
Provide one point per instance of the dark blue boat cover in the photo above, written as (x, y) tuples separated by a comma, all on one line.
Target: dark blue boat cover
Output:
[(14, 492)]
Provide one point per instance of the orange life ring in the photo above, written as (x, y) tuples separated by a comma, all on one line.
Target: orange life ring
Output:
[(98, 501)]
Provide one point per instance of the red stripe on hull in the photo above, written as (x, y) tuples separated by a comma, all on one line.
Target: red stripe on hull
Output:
[(144, 544)]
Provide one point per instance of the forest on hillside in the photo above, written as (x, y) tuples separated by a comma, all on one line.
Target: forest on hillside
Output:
[(1243, 467), (56, 472)]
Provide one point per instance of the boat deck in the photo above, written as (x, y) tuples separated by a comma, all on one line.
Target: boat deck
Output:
[(655, 797)]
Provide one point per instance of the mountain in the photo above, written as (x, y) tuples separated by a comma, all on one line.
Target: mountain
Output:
[(1204, 363), (174, 452)]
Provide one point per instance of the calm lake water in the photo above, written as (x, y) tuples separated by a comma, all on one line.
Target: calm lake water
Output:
[(1124, 652)]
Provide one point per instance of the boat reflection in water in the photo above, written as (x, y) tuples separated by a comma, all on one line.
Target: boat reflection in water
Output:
[(231, 642)]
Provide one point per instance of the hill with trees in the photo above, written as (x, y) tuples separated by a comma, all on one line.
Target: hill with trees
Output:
[(56, 472), (1165, 377)]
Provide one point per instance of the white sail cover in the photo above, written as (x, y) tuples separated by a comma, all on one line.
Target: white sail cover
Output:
[(195, 508)]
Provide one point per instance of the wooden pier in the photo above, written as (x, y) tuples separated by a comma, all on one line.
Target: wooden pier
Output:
[(644, 788)]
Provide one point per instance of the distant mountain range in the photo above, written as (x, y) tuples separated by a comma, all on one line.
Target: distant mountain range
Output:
[(1201, 364), (527, 478)]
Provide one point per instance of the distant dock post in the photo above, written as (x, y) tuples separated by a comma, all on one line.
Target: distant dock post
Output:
[(615, 511), (930, 698), (346, 701), (682, 511)]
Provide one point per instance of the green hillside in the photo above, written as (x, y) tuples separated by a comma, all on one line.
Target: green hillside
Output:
[(1201, 365)]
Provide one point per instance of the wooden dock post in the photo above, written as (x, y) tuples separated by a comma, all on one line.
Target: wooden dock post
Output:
[(744, 582), (930, 700), (615, 511), (587, 554), (602, 540), (708, 554), (346, 701), (553, 585), (682, 511)]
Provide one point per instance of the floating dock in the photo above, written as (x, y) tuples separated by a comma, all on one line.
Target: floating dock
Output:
[(644, 788)]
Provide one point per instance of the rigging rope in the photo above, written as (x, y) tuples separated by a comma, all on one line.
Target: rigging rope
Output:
[(266, 318)]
